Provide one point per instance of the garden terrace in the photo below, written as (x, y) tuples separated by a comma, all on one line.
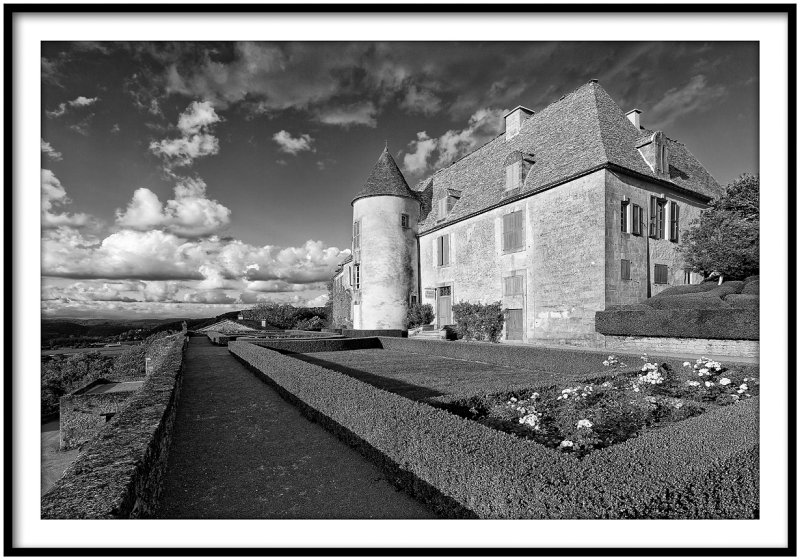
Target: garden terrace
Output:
[(703, 467)]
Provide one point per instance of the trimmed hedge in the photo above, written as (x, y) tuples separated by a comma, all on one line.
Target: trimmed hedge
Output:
[(118, 473), (362, 333), (704, 300), (749, 301), (720, 324), (703, 467), (297, 346)]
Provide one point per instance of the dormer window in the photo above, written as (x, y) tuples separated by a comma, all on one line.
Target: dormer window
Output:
[(517, 166), (447, 202), (655, 152)]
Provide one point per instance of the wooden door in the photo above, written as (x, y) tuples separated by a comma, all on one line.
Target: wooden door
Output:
[(444, 301), (514, 325)]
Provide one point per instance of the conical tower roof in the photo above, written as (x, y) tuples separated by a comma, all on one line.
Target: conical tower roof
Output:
[(385, 179)]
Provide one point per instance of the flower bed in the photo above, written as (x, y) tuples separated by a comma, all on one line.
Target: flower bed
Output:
[(703, 467), (579, 418)]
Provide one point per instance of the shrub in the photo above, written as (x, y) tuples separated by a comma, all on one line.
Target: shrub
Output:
[(419, 314), (722, 324), (479, 321), (312, 324), (703, 300), (743, 300), (63, 374)]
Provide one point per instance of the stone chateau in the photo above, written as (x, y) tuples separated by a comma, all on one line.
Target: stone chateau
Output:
[(569, 211)]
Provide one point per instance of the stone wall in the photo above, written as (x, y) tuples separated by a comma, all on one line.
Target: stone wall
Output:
[(685, 346), (82, 416), (342, 304), (643, 252), (562, 261), (118, 474), (388, 261)]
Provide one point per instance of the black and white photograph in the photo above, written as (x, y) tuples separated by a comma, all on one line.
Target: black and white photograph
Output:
[(407, 280)]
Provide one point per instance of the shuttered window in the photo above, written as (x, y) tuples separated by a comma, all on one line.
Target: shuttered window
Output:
[(513, 231), (625, 269), (657, 208), (674, 221), (404, 220), (514, 285), (357, 234), (660, 274), (357, 276), (443, 250), (637, 219), (624, 216), (514, 175)]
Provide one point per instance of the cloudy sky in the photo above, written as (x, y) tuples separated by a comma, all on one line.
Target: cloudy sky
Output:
[(190, 179)]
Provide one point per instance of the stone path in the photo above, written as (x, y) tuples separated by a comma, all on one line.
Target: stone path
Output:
[(240, 451)]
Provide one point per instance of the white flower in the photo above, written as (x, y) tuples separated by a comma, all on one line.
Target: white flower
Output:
[(513, 399), (686, 364), (565, 443), (535, 396), (605, 362), (743, 387), (584, 423), (678, 404), (709, 383), (693, 383), (724, 381), (735, 397), (703, 371), (531, 420)]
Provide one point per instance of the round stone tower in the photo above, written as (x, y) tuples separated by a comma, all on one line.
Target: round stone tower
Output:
[(384, 275)]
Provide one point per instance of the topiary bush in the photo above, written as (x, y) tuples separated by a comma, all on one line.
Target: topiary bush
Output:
[(479, 321), (418, 315), (312, 324)]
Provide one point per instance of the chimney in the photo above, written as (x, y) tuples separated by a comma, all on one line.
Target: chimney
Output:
[(633, 116), (514, 120), (240, 317)]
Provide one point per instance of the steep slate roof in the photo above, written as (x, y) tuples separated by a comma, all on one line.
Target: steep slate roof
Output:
[(385, 179), (582, 132)]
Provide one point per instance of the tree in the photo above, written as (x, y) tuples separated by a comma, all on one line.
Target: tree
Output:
[(724, 240)]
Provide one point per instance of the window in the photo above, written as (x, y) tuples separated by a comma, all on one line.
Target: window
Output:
[(404, 220), (657, 208), (687, 276), (660, 276), (624, 216), (625, 269), (357, 276), (637, 219), (357, 234), (513, 232), (514, 175), (514, 285), (674, 220), (413, 299), (443, 250), (446, 205)]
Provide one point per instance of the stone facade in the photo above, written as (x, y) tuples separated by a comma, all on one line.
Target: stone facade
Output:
[(562, 177)]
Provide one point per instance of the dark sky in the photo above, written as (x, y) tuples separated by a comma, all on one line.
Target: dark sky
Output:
[(188, 179)]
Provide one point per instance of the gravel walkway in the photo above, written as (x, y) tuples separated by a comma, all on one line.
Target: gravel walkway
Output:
[(240, 451)]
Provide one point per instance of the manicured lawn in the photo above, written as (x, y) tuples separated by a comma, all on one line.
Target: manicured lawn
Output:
[(430, 378)]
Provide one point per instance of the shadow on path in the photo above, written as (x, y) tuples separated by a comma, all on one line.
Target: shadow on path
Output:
[(240, 451)]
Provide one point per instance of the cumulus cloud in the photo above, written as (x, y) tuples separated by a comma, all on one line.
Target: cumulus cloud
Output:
[(292, 145), (62, 108), (211, 296), (87, 291), (696, 95), (190, 214), (156, 255), (50, 152), (484, 125), (54, 194), (196, 139), (363, 114)]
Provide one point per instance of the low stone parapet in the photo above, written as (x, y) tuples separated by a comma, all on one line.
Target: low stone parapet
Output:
[(118, 473)]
